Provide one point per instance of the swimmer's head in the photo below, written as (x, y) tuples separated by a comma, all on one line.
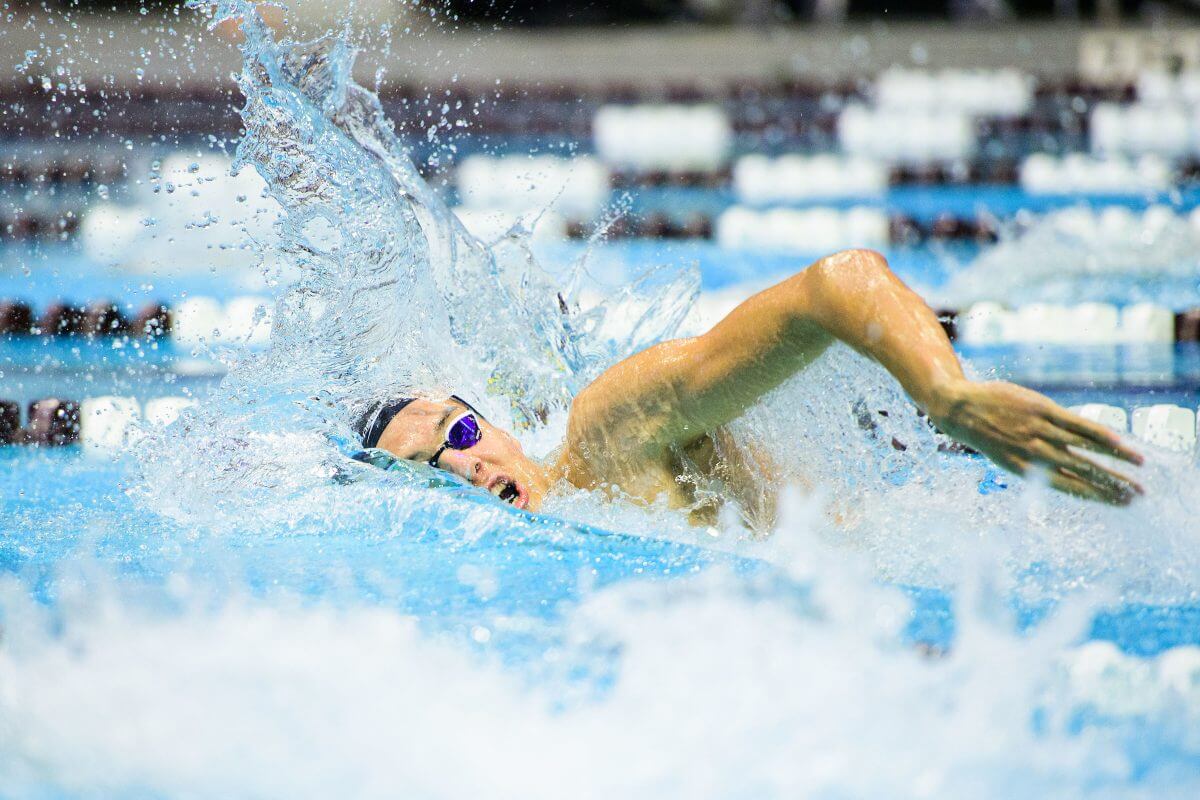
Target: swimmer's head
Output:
[(453, 436)]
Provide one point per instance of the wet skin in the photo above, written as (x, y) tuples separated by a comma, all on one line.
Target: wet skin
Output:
[(496, 462), (633, 429)]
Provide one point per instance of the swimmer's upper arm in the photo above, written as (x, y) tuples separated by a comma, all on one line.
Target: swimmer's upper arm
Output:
[(757, 346), (679, 390), (851, 296)]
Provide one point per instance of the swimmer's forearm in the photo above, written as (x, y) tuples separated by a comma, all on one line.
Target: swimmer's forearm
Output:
[(856, 298)]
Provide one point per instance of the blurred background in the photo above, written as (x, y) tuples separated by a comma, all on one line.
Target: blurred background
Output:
[(1030, 167)]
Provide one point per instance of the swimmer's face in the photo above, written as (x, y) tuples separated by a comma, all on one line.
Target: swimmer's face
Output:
[(496, 462)]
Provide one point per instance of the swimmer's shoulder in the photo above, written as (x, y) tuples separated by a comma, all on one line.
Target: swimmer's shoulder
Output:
[(605, 427), (611, 445)]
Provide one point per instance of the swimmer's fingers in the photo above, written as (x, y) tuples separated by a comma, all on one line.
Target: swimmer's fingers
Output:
[(1066, 481), (1112, 486), (1064, 438), (1012, 463), (1091, 435)]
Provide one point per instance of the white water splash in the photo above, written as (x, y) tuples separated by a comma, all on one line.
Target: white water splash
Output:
[(722, 689), (1076, 255)]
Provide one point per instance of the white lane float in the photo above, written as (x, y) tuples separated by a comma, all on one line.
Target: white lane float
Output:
[(248, 319), (576, 188), (105, 423), (204, 320), (110, 423), (980, 92), (1041, 322), (194, 213), (1094, 323), (197, 320), (162, 411), (109, 230), (671, 138), (809, 231), (990, 323), (1106, 415), (1157, 87), (1142, 128), (759, 179), (909, 136), (1147, 323), (1081, 173), (986, 323), (1167, 426)]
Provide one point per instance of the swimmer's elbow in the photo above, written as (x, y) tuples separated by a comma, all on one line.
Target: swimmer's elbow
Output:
[(856, 268), (847, 274)]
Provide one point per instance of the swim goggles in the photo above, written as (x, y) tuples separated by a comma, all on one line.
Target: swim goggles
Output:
[(464, 433)]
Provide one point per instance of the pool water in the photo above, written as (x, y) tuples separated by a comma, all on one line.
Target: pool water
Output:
[(342, 629), (368, 634), (233, 606)]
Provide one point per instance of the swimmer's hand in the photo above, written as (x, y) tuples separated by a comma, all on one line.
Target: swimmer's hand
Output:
[(1022, 430)]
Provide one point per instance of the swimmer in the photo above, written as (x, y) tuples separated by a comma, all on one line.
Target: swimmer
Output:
[(640, 427)]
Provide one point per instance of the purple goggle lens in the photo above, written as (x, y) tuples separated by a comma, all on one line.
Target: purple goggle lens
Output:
[(463, 435)]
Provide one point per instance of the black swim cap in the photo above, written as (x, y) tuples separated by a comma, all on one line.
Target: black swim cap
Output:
[(370, 425)]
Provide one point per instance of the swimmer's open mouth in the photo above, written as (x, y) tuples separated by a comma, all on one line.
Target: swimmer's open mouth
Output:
[(509, 491)]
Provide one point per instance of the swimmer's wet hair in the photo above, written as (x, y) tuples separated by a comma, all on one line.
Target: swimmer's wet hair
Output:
[(371, 424)]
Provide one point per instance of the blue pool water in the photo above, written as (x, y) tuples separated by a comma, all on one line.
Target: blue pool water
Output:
[(233, 607), (540, 565), (563, 630)]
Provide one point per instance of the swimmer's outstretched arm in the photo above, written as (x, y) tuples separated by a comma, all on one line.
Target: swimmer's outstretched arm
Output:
[(679, 390)]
